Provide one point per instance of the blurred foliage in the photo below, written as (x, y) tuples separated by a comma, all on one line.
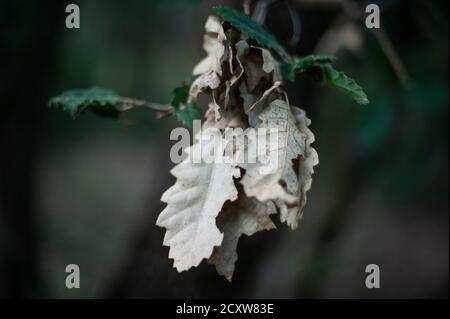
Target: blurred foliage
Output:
[(141, 60), (101, 101), (145, 48), (406, 129)]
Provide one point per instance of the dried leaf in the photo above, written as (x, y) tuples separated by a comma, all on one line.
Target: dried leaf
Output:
[(194, 202), (253, 70), (306, 165), (230, 118), (207, 80), (282, 182), (242, 49), (271, 65), (209, 208), (209, 70), (246, 216), (263, 98), (213, 44), (255, 103)]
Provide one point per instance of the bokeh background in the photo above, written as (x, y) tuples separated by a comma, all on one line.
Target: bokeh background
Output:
[(87, 191)]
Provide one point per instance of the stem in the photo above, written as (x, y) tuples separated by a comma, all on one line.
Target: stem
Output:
[(260, 11), (129, 103), (247, 6), (296, 24)]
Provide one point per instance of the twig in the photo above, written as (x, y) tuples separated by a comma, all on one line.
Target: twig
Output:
[(260, 12), (355, 12), (129, 103), (296, 24), (393, 57), (247, 6)]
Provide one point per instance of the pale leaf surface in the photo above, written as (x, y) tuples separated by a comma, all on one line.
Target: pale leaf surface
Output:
[(195, 201), (246, 216), (305, 169), (281, 182)]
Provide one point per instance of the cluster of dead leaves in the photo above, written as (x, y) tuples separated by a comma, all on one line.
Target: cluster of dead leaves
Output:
[(212, 204)]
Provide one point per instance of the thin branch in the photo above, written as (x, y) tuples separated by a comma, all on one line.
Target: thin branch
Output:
[(356, 12), (247, 6), (296, 24), (393, 57), (261, 9), (129, 103)]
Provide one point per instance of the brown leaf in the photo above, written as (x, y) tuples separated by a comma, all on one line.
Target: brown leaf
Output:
[(246, 216), (194, 202)]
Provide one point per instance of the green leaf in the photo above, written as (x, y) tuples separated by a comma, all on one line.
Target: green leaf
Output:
[(188, 114), (251, 28), (343, 83), (100, 101), (327, 74), (290, 69), (184, 110), (180, 95)]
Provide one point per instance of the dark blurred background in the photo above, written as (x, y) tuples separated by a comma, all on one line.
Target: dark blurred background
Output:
[(87, 191)]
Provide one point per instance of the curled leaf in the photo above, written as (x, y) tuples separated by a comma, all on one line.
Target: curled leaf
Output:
[(245, 216), (213, 44), (281, 183), (230, 118), (209, 70), (305, 168)]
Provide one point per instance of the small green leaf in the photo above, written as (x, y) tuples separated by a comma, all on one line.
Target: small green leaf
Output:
[(343, 83), (290, 69), (184, 110), (327, 75), (188, 114), (251, 28), (100, 101), (180, 95)]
